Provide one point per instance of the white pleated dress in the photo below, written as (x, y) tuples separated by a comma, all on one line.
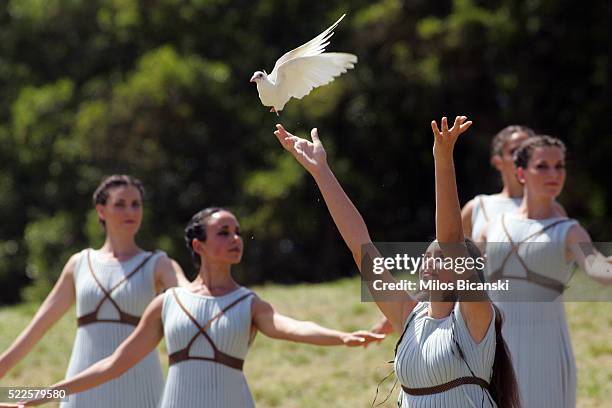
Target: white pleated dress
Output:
[(489, 207), (198, 381), (141, 386), (536, 332), (425, 358)]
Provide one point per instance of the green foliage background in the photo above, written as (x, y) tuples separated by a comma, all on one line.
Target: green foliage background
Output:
[(159, 89)]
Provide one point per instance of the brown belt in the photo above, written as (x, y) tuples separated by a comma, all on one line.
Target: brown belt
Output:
[(220, 358), (446, 386), (124, 317)]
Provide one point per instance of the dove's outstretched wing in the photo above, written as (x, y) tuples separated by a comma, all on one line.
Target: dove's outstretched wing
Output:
[(298, 76), (313, 47)]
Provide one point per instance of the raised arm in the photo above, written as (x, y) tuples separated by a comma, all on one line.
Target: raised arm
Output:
[(449, 230), (168, 274), (141, 342), (449, 227), (53, 308), (277, 326), (350, 223), (580, 248)]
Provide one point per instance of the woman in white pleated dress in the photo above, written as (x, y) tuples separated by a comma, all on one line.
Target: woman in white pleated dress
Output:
[(534, 248), (112, 287), (451, 352), (208, 326)]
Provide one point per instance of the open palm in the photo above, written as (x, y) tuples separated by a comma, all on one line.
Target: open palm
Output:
[(362, 338), (311, 155), (444, 141)]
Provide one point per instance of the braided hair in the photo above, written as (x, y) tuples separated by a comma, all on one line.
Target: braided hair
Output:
[(196, 229)]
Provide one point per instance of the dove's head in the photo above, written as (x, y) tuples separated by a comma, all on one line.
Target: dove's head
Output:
[(258, 76)]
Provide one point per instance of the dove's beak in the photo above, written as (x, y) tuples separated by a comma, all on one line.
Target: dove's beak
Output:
[(253, 78)]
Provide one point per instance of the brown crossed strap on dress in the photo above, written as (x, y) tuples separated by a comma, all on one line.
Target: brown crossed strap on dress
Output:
[(442, 387), (482, 206), (124, 317), (219, 356), (531, 275), (446, 386)]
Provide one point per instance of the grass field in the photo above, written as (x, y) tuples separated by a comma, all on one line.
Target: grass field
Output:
[(283, 374)]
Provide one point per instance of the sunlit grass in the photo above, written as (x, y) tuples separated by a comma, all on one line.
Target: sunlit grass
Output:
[(283, 374)]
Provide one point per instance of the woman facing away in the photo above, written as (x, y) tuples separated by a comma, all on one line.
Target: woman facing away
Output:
[(534, 248), (112, 287), (208, 326), (451, 352)]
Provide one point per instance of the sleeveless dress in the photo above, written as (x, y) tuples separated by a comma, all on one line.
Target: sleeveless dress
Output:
[(489, 207), (101, 331), (207, 338), (426, 357), (536, 331)]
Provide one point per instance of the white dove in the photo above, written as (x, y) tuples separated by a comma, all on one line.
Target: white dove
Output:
[(301, 70)]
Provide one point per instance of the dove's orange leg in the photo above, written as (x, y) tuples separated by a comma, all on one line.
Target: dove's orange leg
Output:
[(272, 109)]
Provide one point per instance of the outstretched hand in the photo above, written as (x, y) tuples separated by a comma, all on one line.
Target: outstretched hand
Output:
[(382, 327), (362, 338), (444, 141), (311, 155)]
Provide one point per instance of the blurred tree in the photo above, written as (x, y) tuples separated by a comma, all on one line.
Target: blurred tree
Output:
[(159, 89)]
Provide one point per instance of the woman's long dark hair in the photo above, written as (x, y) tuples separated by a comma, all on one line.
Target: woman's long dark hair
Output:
[(503, 386)]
